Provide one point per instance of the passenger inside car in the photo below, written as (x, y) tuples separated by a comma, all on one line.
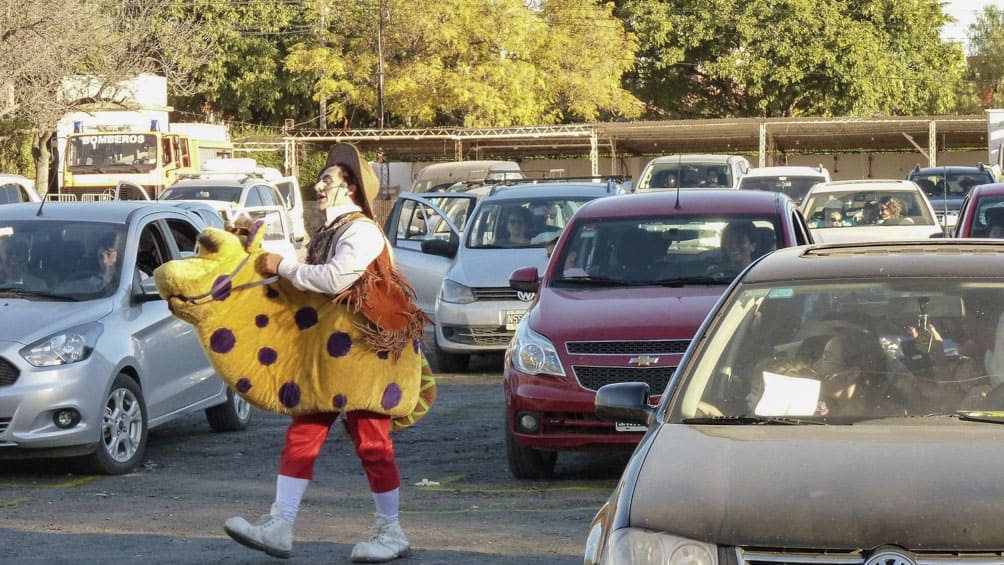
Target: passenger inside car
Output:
[(738, 245), (15, 268), (516, 230)]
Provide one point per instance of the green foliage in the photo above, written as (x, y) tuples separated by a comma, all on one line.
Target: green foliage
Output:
[(469, 62), (15, 149), (245, 80), (986, 44), (774, 58)]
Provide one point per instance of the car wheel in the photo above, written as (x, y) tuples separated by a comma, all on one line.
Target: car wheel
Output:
[(123, 429), (526, 462), (451, 362), (231, 416)]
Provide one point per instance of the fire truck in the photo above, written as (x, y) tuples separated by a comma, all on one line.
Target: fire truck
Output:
[(96, 161)]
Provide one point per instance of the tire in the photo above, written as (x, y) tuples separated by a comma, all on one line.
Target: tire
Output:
[(526, 462), (231, 416), (124, 431), (451, 362)]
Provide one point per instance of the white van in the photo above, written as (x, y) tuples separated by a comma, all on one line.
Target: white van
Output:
[(439, 176), (793, 181), (692, 171), (288, 186), (16, 188)]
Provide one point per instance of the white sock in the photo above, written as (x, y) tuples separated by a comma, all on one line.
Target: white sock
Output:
[(288, 494), (386, 504)]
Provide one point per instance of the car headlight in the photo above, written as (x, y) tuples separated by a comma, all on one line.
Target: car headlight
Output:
[(642, 547), (455, 292), (63, 348), (532, 353)]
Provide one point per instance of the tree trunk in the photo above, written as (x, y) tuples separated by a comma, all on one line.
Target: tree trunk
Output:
[(41, 153)]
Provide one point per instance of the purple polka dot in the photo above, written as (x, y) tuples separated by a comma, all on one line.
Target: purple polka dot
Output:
[(289, 394), (222, 287), (271, 292), (305, 317), (383, 355), (222, 341), (261, 320), (391, 396), (267, 356), (252, 232), (414, 345), (339, 401), (243, 385), (339, 344)]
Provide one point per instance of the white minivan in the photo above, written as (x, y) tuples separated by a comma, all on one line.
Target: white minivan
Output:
[(289, 187), (692, 171), (439, 176)]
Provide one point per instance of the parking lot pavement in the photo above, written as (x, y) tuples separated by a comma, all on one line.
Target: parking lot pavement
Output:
[(171, 511)]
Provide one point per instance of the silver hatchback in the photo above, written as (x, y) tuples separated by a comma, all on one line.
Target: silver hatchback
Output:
[(90, 356)]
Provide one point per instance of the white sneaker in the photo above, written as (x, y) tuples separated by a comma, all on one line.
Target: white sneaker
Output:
[(386, 542), (273, 534)]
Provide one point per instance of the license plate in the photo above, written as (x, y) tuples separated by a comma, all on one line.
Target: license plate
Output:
[(628, 427), (512, 317)]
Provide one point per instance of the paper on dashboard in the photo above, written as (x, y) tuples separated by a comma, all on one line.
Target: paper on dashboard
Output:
[(788, 396)]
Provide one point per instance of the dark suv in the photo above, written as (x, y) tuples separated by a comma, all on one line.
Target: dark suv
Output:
[(945, 187), (630, 280)]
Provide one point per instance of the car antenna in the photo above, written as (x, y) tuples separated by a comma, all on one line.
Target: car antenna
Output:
[(44, 198), (679, 179)]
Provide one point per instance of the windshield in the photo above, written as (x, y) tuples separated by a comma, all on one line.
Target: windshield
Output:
[(665, 250), (192, 192), (958, 183), (111, 152), (686, 175), (852, 208), (60, 260), (794, 186), (521, 223), (850, 350)]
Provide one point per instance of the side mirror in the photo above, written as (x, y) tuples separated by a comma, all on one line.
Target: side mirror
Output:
[(526, 279), (624, 402), (146, 289), (441, 247)]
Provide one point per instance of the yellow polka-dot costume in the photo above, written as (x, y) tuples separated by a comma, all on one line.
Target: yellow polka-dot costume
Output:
[(283, 349)]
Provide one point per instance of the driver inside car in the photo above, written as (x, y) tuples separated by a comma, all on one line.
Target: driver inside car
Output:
[(738, 243)]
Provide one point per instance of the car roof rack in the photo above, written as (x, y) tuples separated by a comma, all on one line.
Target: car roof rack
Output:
[(613, 182)]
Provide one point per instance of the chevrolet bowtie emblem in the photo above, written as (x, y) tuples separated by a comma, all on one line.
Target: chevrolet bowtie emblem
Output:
[(643, 361)]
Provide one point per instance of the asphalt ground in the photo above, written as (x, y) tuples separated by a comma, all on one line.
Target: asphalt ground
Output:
[(459, 504)]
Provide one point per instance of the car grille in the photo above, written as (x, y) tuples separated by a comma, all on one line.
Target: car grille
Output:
[(494, 293), (479, 335), (594, 377), (4, 424), (656, 347), (804, 557), (8, 373)]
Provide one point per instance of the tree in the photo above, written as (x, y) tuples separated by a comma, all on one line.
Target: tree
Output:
[(42, 44), (986, 45), (775, 58), (468, 62), (244, 79)]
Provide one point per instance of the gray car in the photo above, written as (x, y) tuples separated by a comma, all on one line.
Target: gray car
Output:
[(459, 247), (90, 356), (842, 404)]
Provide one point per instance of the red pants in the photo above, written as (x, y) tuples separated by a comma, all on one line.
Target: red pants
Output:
[(370, 434)]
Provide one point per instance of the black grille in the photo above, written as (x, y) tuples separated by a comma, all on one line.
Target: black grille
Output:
[(8, 373), (659, 347), (595, 377), (494, 293), (4, 424)]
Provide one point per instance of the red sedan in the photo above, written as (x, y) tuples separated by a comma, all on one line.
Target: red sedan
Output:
[(628, 285), (982, 208)]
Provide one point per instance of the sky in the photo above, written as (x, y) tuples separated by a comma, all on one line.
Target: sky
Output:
[(965, 11)]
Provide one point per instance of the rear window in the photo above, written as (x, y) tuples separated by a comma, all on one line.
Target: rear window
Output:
[(794, 186), (958, 183)]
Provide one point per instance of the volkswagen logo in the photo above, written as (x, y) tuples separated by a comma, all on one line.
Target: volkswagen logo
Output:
[(525, 296), (890, 556)]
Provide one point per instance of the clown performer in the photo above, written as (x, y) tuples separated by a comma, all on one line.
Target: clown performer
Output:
[(348, 258)]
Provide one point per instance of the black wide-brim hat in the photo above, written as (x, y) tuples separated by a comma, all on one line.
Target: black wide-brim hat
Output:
[(348, 156)]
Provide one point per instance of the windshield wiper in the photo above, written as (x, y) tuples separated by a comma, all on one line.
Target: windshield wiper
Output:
[(751, 420), (14, 292), (681, 281), (988, 416), (591, 281)]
